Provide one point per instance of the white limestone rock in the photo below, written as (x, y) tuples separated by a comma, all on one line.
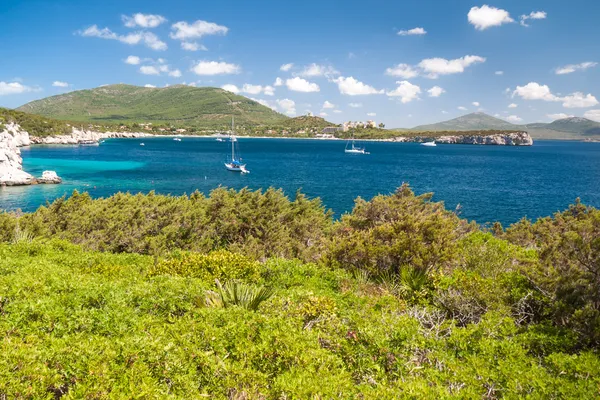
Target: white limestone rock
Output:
[(11, 164)]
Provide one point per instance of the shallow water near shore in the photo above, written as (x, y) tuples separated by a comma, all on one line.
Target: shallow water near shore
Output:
[(491, 183)]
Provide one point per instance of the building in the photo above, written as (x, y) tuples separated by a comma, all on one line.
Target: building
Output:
[(332, 130)]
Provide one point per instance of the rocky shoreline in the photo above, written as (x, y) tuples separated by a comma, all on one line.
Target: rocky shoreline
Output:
[(85, 137), (499, 139)]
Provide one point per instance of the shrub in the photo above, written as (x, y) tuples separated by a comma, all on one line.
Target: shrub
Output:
[(238, 294)]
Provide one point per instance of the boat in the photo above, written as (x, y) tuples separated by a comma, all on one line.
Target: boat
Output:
[(142, 144), (354, 149), (177, 139), (220, 139), (429, 144), (235, 164), (88, 143)]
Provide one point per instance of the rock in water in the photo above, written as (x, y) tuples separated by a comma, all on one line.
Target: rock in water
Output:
[(49, 177)]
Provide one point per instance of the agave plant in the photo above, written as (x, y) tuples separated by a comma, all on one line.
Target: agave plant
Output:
[(235, 293), (22, 235)]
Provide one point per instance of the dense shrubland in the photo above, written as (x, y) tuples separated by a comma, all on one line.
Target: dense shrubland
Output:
[(251, 295)]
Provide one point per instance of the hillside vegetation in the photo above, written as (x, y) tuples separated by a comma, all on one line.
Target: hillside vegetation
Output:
[(180, 105), (34, 124), (251, 295)]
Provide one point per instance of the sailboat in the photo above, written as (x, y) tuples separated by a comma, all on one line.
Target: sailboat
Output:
[(354, 149), (235, 164)]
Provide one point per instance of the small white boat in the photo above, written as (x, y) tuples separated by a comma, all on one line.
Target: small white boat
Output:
[(429, 144), (235, 164), (354, 149), (142, 144), (177, 139), (220, 139)]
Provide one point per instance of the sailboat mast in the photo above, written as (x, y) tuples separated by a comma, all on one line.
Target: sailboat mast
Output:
[(232, 142)]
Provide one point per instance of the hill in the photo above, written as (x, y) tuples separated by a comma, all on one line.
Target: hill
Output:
[(205, 107), (34, 124), (582, 126), (305, 121), (470, 122)]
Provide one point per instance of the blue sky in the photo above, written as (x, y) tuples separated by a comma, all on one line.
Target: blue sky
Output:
[(403, 63)]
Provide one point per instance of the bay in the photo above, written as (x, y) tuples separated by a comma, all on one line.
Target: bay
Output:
[(491, 183)]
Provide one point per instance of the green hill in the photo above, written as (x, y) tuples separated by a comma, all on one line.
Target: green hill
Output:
[(34, 124), (205, 107), (582, 126), (470, 122)]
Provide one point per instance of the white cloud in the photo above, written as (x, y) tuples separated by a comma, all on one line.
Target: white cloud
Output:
[(353, 87), (215, 68), (149, 70), (314, 70), (184, 31), (231, 88), (568, 69), (532, 15), (288, 106), (535, 91), (512, 105), (514, 118), (436, 91), (412, 32), (337, 111), (372, 114), (149, 85), (499, 72), (444, 112), (476, 103), (554, 117), (323, 114), (441, 66), (301, 85), (143, 20), (461, 108), (327, 104), (278, 82), (60, 84), (7, 88), (355, 105), (402, 70), (579, 100), (192, 46), (593, 115), (286, 67), (264, 103), (257, 89), (133, 60), (175, 73), (486, 17), (148, 38), (269, 90), (406, 91)]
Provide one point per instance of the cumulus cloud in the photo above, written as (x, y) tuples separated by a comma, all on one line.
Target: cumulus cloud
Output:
[(436, 91), (593, 115), (231, 88), (323, 114), (183, 31), (532, 15), (147, 85), (264, 103), (579, 100), (148, 38), (257, 89), (192, 46), (461, 108), (353, 87), (175, 73), (485, 17), (215, 68), (372, 114), (143, 20), (278, 82), (476, 103), (7, 88), (133, 60), (286, 67), (568, 69), (314, 70), (403, 71), (554, 117), (288, 106), (514, 118), (355, 105), (60, 84), (406, 91), (301, 85), (327, 104), (412, 32), (499, 72), (512, 105), (440, 66), (149, 70)]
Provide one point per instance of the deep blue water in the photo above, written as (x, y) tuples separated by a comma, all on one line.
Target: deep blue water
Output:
[(491, 183)]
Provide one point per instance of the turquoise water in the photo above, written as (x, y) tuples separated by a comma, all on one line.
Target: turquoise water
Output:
[(491, 183)]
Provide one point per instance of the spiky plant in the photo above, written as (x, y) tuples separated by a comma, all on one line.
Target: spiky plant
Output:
[(235, 293), (22, 235), (412, 280)]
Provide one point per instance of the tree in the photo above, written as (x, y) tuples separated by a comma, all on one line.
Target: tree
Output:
[(381, 125)]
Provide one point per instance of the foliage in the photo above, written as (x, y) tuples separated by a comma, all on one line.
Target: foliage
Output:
[(34, 124), (234, 293)]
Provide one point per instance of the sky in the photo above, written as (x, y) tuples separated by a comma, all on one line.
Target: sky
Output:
[(403, 63)]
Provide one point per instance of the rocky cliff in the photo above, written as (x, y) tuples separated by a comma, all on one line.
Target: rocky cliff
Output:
[(83, 136), (499, 139)]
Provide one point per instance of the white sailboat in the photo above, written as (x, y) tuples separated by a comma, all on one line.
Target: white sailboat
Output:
[(235, 164), (429, 144), (353, 148)]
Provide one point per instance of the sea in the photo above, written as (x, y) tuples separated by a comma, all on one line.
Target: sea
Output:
[(483, 183)]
